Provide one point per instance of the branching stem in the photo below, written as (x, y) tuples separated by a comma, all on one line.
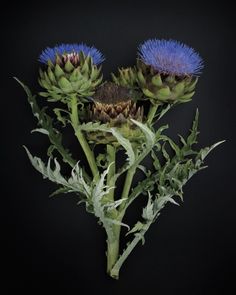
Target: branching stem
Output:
[(81, 138), (111, 153), (114, 273), (127, 186)]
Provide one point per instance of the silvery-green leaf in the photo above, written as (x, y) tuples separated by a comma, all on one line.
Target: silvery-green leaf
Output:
[(99, 190), (75, 183), (137, 227), (114, 204), (61, 190), (150, 136), (126, 145), (61, 118), (148, 213), (205, 151), (40, 130), (161, 201), (156, 162), (45, 122), (144, 170), (192, 138), (117, 222)]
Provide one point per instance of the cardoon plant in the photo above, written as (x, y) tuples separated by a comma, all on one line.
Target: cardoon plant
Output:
[(120, 117)]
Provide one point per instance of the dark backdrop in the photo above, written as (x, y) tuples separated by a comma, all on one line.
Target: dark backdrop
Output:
[(52, 245)]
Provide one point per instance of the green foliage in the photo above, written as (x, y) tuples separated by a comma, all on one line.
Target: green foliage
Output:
[(45, 123), (173, 163), (93, 193), (75, 183), (170, 177), (166, 183)]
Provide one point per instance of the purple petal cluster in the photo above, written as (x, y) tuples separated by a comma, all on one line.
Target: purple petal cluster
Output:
[(49, 54), (170, 57)]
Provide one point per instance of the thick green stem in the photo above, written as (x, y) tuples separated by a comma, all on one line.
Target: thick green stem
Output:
[(111, 153), (82, 140), (114, 273), (113, 240), (88, 152), (113, 248), (151, 113), (127, 186)]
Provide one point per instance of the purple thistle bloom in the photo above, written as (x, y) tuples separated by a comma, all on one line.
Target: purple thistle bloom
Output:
[(170, 57), (49, 54)]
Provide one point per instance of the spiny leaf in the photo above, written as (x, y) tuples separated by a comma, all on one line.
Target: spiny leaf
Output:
[(205, 151), (150, 136), (192, 138), (175, 147), (161, 201), (148, 213), (126, 145), (114, 204), (182, 140), (60, 118), (98, 191), (46, 123), (75, 183), (61, 190), (156, 162), (137, 227), (164, 153), (40, 130), (117, 222), (144, 170), (150, 142)]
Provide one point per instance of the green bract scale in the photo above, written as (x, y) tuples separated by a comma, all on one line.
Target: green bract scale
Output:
[(72, 74)]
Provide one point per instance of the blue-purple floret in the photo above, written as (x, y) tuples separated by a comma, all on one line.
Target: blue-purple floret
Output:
[(49, 54), (170, 57)]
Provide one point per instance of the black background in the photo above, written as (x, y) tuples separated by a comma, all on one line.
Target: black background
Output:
[(52, 245)]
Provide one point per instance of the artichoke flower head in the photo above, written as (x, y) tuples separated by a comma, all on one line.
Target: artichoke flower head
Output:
[(70, 70), (114, 106), (167, 71)]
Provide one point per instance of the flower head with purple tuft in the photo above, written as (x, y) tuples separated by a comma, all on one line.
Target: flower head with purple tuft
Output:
[(170, 57)]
